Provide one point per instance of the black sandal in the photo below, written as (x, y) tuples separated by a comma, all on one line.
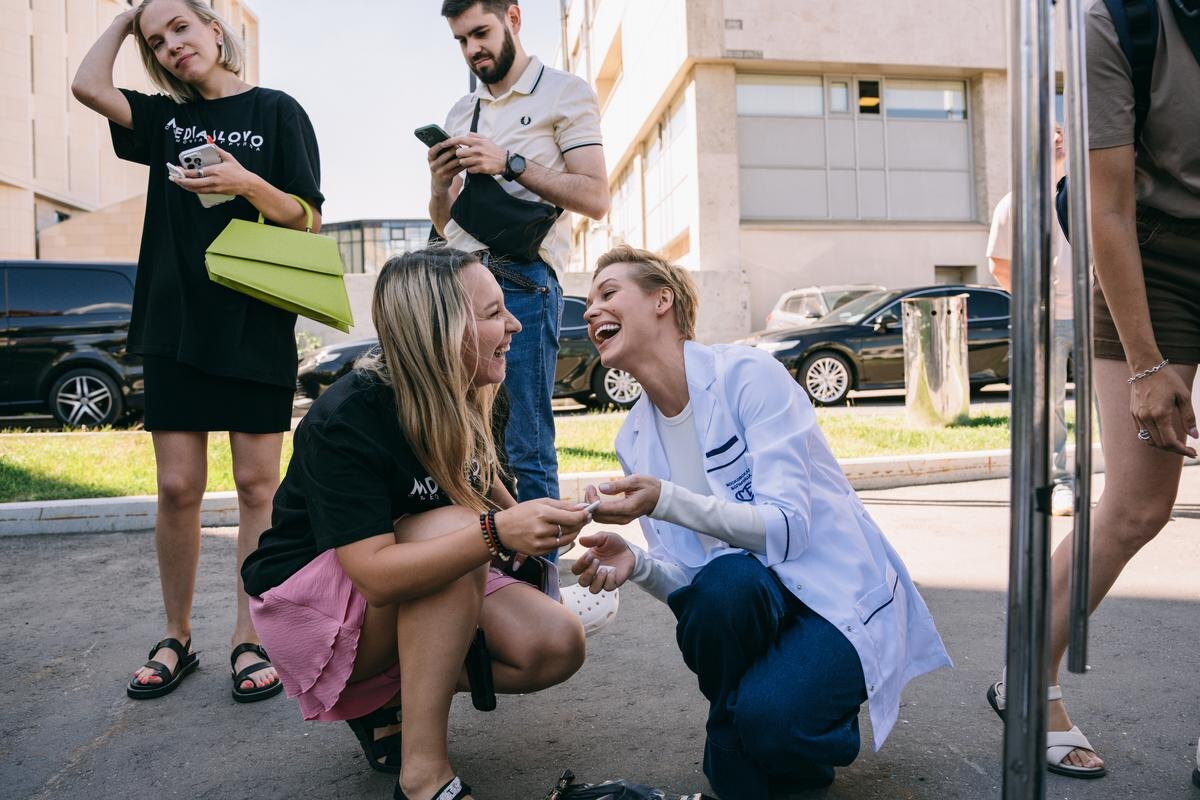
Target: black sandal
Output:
[(383, 755), (188, 661), (257, 693), (453, 790)]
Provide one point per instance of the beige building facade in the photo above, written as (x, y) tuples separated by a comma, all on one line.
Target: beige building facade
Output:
[(771, 144), (63, 194)]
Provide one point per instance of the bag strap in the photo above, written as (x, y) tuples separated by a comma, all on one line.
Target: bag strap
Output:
[(1137, 25), (1188, 21), (475, 117), (307, 213)]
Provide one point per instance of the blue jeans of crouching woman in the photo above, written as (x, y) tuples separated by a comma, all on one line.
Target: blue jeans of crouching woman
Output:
[(784, 685), (533, 295)]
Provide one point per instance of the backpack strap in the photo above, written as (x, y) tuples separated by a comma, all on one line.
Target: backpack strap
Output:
[(1187, 19), (1137, 25)]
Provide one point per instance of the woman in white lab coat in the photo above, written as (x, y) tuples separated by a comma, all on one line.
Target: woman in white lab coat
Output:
[(792, 608)]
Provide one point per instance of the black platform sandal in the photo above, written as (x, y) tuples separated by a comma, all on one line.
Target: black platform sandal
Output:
[(383, 755), (188, 661), (453, 790), (257, 693)]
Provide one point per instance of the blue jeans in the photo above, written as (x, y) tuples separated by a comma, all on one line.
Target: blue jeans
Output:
[(1064, 343), (784, 686), (533, 295)]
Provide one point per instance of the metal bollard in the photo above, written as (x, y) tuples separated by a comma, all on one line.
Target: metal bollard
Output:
[(1029, 558), (1081, 260), (937, 386)]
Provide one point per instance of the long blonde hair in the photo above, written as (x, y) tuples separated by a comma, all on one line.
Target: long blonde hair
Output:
[(422, 313), (233, 51)]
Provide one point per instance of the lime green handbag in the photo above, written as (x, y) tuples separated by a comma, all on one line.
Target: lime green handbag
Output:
[(298, 271)]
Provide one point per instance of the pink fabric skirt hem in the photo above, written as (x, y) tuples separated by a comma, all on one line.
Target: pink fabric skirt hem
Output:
[(310, 624)]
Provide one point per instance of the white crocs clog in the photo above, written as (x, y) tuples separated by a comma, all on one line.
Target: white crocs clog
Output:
[(595, 611)]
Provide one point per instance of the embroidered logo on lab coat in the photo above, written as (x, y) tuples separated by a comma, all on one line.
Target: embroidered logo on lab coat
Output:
[(741, 487)]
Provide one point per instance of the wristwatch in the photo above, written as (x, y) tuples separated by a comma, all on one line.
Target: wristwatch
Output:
[(514, 166)]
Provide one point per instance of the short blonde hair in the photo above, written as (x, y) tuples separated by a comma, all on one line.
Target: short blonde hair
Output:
[(653, 272), (233, 51)]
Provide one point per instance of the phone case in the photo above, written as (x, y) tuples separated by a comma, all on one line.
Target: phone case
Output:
[(431, 135), (479, 674), (204, 156)]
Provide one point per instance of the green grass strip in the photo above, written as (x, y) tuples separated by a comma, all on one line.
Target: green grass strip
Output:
[(61, 466)]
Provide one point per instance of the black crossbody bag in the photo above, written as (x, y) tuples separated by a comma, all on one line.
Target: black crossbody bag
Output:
[(509, 226)]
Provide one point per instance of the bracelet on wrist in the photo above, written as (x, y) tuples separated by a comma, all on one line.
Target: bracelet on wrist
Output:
[(501, 552), (487, 537), (1146, 373)]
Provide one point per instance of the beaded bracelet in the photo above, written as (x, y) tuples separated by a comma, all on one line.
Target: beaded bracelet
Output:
[(1146, 373), (505, 553), (487, 537)]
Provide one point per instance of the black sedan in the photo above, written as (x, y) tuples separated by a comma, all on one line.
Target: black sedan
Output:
[(579, 375), (861, 345)]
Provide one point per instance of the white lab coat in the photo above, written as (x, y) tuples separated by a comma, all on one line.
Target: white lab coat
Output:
[(761, 442)]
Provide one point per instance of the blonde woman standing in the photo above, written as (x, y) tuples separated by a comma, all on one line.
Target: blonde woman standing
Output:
[(215, 360), (391, 525)]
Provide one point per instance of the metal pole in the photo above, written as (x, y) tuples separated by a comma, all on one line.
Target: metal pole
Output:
[(1025, 723), (1081, 259)]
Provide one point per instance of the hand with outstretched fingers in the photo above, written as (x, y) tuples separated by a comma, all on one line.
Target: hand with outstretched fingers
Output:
[(639, 497), (606, 564)]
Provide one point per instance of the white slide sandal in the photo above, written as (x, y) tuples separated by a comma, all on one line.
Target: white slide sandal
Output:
[(1059, 744)]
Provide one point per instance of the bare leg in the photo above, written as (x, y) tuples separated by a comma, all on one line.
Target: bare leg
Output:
[(256, 475), (1140, 486), (535, 642), (182, 469)]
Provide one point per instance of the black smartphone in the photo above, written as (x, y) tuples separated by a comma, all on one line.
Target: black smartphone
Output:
[(431, 135), (479, 674)]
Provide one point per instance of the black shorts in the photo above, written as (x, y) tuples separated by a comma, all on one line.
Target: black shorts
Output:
[(180, 397), (1170, 250)]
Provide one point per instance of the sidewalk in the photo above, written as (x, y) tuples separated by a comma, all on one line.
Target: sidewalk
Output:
[(79, 612)]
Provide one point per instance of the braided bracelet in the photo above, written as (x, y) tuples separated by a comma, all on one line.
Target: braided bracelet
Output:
[(1146, 373)]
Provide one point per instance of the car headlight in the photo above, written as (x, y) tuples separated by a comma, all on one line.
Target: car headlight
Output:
[(314, 360), (775, 347), (324, 357)]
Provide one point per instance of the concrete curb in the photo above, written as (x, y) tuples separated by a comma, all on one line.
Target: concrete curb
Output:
[(220, 509)]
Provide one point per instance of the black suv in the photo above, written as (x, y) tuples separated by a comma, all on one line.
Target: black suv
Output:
[(63, 328)]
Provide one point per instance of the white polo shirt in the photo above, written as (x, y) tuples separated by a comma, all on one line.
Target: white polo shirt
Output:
[(546, 113)]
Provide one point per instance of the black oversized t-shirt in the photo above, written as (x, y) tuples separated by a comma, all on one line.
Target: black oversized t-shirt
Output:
[(351, 475), (177, 311)]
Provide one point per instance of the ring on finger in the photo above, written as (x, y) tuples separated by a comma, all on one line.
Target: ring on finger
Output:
[(558, 538), (200, 172), (1144, 435)]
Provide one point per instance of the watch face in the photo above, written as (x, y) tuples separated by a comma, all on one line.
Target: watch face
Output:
[(517, 163)]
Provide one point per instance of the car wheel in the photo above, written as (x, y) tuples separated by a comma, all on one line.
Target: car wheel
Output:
[(826, 378), (615, 387), (86, 398)]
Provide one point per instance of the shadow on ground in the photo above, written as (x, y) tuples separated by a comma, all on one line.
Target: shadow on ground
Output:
[(79, 612)]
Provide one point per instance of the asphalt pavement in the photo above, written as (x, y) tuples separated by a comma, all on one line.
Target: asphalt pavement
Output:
[(77, 614)]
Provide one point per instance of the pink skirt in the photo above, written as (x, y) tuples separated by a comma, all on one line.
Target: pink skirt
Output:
[(310, 625)]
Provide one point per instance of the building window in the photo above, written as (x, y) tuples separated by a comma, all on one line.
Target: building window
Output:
[(902, 152), (868, 97), (625, 216), (669, 161)]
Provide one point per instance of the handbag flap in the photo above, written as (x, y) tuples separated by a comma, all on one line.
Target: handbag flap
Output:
[(271, 244), (314, 295)]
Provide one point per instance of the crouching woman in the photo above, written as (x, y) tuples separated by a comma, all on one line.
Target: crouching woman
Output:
[(377, 570), (792, 607)]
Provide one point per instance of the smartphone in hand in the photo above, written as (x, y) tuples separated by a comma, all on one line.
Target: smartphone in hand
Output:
[(431, 135), (205, 155)]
